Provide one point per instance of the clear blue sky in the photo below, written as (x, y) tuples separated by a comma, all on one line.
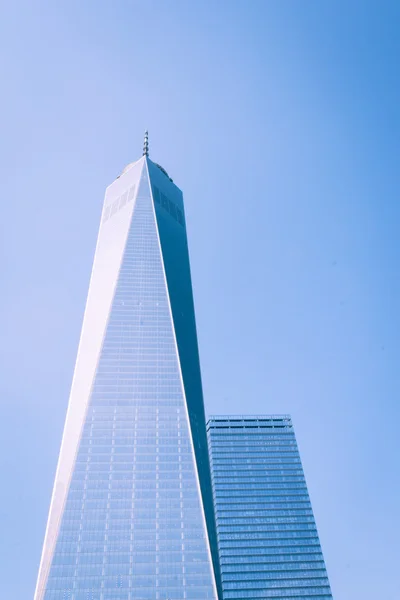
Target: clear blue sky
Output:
[(280, 121)]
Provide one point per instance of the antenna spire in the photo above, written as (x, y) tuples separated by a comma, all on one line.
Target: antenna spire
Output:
[(146, 143)]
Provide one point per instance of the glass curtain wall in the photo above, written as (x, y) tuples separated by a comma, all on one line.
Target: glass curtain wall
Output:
[(133, 526), (267, 537)]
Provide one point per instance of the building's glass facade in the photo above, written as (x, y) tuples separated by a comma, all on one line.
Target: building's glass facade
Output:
[(267, 537), (132, 513), (135, 513)]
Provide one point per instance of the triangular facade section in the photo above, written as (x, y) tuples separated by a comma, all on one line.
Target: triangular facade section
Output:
[(171, 222)]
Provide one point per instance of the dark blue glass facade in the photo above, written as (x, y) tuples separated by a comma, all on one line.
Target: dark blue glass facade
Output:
[(267, 537), (169, 209)]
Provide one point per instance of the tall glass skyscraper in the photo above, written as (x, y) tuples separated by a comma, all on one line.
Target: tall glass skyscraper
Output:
[(131, 515), (267, 537)]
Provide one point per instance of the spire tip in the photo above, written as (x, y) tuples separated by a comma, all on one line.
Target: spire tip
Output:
[(146, 143)]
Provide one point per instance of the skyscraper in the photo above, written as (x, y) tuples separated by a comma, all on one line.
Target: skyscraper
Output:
[(267, 537), (131, 515)]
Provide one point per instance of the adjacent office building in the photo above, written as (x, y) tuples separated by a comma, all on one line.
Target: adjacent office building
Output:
[(132, 513), (267, 538)]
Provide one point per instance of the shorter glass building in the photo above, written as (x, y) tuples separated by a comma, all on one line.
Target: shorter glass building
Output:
[(267, 537)]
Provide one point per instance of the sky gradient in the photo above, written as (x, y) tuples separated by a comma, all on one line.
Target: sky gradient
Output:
[(280, 122)]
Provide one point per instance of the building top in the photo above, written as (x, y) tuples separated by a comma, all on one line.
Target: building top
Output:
[(248, 417), (240, 421), (130, 165), (146, 154)]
